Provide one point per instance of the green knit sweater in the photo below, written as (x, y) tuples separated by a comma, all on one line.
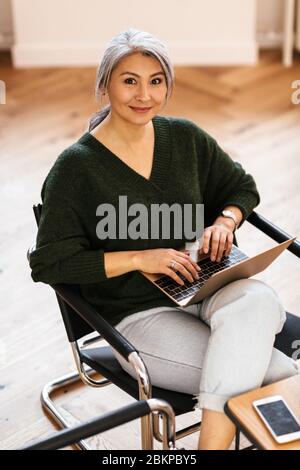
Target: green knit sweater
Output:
[(188, 168)]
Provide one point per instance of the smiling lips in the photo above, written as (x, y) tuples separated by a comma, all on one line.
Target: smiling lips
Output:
[(140, 110)]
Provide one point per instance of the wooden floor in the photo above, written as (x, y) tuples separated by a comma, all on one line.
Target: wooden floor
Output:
[(247, 109)]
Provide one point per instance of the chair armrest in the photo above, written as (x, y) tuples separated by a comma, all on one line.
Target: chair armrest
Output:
[(108, 421), (94, 319), (274, 232)]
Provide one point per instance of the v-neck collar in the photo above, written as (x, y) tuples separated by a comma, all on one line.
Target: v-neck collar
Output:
[(161, 156)]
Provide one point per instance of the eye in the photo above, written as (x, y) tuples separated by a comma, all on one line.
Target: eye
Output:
[(159, 80), (128, 79)]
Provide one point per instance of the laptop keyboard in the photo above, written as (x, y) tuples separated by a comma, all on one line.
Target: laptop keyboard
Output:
[(208, 268)]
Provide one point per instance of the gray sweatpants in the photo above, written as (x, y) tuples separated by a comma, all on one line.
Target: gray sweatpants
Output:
[(218, 348)]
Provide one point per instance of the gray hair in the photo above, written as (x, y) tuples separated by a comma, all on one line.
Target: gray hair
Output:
[(124, 44)]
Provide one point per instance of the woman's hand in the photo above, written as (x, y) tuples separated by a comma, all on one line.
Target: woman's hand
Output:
[(217, 238), (160, 260)]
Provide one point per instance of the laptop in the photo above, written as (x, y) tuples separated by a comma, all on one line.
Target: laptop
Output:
[(214, 275)]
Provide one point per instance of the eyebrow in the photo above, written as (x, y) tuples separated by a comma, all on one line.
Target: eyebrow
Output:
[(136, 75)]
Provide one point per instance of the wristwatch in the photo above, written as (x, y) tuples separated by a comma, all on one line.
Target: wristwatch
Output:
[(231, 215)]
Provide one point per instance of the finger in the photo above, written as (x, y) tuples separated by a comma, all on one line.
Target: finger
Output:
[(189, 266), (174, 276), (214, 245), (229, 244), (206, 241), (222, 245), (187, 257), (201, 252), (182, 269)]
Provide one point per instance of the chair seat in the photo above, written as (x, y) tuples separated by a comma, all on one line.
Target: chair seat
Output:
[(102, 360), (285, 339)]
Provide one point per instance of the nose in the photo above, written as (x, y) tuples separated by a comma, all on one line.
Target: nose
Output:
[(143, 93)]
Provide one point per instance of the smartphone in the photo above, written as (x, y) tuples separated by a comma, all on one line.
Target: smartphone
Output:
[(279, 418)]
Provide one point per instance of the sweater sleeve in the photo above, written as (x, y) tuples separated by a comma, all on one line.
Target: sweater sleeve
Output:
[(63, 253), (227, 183)]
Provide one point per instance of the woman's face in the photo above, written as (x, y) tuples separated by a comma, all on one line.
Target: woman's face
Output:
[(137, 82)]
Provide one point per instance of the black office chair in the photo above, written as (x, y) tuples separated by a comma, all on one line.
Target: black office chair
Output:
[(108, 421), (81, 318)]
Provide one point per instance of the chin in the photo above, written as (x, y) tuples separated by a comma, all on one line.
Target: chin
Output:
[(136, 117)]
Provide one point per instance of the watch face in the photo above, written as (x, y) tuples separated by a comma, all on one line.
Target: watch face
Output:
[(228, 214)]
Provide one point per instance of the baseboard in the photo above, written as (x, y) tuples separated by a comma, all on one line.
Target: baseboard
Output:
[(269, 39), (6, 41)]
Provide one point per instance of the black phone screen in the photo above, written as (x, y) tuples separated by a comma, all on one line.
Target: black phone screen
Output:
[(279, 417)]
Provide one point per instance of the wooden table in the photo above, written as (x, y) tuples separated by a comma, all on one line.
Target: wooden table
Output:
[(240, 410)]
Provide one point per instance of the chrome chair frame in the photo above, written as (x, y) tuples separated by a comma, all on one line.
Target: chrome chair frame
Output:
[(150, 424), (108, 421)]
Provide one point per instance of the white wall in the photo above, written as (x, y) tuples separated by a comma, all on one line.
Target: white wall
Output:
[(269, 15), (297, 42), (270, 22), (270, 19), (6, 27), (76, 32)]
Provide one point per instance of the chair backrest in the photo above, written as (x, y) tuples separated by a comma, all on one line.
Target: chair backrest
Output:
[(75, 326)]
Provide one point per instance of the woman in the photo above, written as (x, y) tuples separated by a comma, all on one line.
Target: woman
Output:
[(218, 348)]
